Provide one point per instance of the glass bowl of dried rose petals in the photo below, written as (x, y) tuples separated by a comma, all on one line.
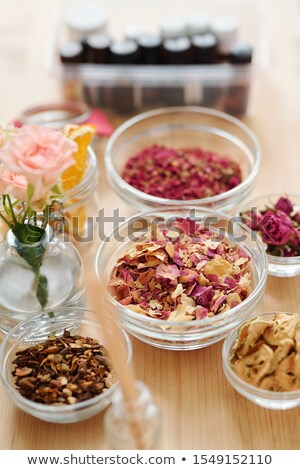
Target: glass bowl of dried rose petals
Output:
[(181, 278), (261, 360), (275, 218), (55, 366), (182, 155)]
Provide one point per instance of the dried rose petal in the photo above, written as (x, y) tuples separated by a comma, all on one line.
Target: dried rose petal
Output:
[(193, 277), (181, 174)]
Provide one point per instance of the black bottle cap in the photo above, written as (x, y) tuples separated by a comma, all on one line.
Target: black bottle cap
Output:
[(71, 53), (240, 54), (150, 48), (177, 51), (205, 48), (125, 52), (97, 48)]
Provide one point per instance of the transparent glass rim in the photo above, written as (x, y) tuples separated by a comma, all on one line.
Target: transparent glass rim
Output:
[(226, 316), (148, 198), (11, 240), (64, 409), (282, 260), (251, 389)]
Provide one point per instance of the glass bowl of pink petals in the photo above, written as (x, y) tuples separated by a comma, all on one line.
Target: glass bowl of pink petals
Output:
[(182, 155), (181, 278), (275, 218)]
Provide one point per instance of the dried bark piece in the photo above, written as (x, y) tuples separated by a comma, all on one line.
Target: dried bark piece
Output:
[(64, 370)]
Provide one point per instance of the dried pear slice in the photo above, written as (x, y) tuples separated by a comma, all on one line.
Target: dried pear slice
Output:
[(254, 367), (285, 376), (283, 326), (270, 383), (282, 351), (249, 335), (297, 339), (297, 365)]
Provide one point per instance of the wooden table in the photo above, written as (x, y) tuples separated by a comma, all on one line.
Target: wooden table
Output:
[(199, 408)]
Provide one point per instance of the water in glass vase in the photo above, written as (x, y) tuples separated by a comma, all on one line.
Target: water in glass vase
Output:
[(26, 289)]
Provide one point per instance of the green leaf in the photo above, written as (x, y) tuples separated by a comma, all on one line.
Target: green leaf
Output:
[(28, 233), (33, 252), (42, 290)]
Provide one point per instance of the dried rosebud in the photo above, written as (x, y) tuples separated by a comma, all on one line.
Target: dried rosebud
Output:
[(285, 205), (274, 229)]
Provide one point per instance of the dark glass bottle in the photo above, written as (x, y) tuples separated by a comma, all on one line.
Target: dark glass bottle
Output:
[(71, 53), (205, 52), (150, 54), (97, 49), (150, 49), (125, 52), (205, 48), (176, 52), (238, 93), (123, 95)]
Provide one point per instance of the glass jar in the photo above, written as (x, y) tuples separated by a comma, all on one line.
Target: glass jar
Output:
[(60, 265), (133, 425), (75, 216)]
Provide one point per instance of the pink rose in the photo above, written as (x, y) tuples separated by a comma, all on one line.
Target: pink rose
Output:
[(14, 185), (39, 154), (284, 204), (274, 229)]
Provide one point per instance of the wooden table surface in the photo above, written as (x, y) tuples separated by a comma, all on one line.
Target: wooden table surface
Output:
[(199, 408)]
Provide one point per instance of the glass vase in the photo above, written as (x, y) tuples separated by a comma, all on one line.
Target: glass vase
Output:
[(60, 268)]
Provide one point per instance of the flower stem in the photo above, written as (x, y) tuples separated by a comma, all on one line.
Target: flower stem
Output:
[(11, 209), (46, 213)]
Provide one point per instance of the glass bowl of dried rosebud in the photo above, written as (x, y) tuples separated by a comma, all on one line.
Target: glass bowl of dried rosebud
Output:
[(182, 155), (181, 278), (55, 366), (261, 360), (275, 218)]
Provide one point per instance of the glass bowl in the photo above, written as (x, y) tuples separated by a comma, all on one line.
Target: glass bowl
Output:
[(263, 398), (189, 334), (37, 329), (181, 127), (278, 266), (79, 203)]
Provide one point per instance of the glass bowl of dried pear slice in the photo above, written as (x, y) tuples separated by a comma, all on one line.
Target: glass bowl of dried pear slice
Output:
[(261, 360)]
